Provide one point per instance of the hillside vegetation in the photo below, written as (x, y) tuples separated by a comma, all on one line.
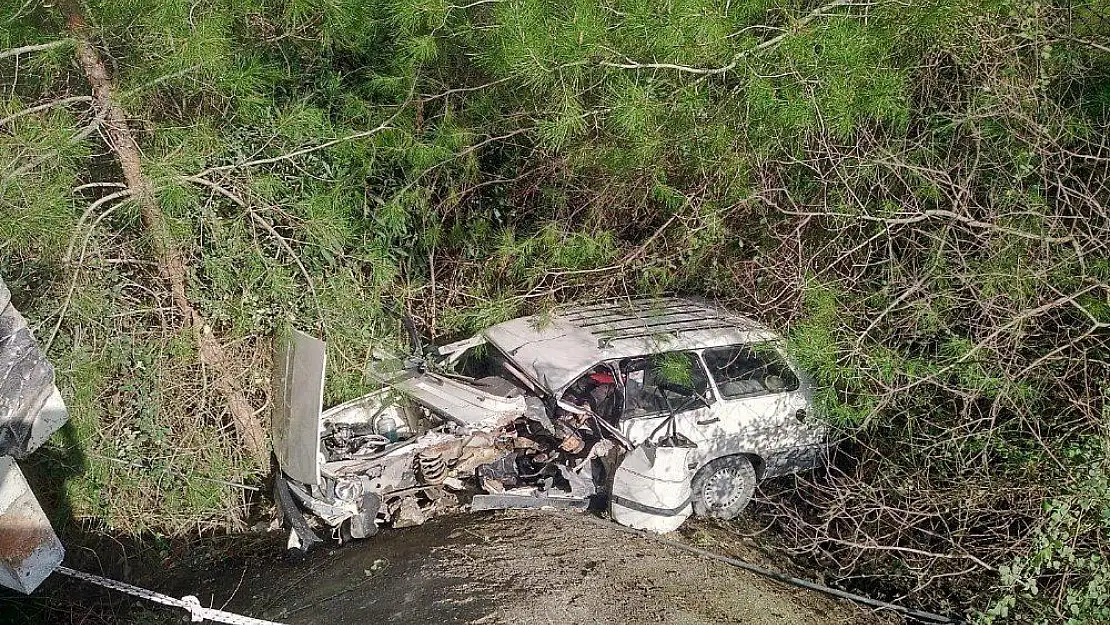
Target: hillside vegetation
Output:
[(916, 192)]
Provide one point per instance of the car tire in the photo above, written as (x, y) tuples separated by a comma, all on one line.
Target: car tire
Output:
[(723, 488)]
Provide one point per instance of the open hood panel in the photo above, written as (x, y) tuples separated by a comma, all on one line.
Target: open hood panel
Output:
[(299, 364), (454, 400)]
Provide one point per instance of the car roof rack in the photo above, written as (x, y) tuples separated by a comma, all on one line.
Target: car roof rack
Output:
[(674, 329)]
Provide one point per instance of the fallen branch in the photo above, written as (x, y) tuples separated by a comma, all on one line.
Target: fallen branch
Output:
[(124, 196)]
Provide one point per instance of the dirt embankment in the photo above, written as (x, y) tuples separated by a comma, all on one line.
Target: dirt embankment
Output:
[(522, 567)]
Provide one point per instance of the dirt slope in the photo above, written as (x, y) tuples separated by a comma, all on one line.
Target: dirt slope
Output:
[(529, 567)]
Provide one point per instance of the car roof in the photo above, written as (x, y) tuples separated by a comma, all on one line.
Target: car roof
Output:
[(556, 348)]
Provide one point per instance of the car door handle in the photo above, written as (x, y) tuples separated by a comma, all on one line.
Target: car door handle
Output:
[(707, 421)]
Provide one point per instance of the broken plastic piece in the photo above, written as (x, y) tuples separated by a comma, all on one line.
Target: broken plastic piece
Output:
[(499, 475)]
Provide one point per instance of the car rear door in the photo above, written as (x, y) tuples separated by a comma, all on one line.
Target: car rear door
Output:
[(760, 400)]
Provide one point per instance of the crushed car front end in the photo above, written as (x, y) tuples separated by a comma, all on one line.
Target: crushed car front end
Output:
[(424, 444)]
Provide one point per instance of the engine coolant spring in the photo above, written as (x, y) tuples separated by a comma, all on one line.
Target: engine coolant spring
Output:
[(432, 468)]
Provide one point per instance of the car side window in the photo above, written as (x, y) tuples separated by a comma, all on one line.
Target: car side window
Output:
[(749, 370), (651, 382)]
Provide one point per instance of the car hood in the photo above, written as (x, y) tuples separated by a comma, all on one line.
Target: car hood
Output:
[(299, 364), (299, 367), (453, 399)]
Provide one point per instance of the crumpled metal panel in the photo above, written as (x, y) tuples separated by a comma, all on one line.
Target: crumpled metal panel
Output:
[(30, 406), (31, 409), (459, 402), (299, 364)]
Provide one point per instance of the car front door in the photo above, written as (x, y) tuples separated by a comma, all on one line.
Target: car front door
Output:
[(655, 386)]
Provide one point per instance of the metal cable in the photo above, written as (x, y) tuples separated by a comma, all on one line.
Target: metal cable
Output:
[(197, 612)]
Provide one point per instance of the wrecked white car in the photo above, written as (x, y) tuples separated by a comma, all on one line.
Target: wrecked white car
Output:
[(659, 408)]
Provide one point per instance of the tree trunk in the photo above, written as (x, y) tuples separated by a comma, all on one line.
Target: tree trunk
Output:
[(171, 262)]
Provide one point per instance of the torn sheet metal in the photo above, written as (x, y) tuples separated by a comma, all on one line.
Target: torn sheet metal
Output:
[(31, 409)]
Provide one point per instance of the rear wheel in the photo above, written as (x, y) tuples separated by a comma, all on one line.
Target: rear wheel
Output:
[(723, 488)]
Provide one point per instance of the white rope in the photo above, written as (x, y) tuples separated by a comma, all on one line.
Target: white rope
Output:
[(197, 612)]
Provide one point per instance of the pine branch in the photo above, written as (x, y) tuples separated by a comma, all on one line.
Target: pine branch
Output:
[(362, 134), (44, 106), (74, 139), (265, 225), (712, 71), (38, 47)]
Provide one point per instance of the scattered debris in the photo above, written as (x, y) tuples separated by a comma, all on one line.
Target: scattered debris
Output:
[(645, 404)]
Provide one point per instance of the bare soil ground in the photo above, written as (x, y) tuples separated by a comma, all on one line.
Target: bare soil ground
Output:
[(525, 566)]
